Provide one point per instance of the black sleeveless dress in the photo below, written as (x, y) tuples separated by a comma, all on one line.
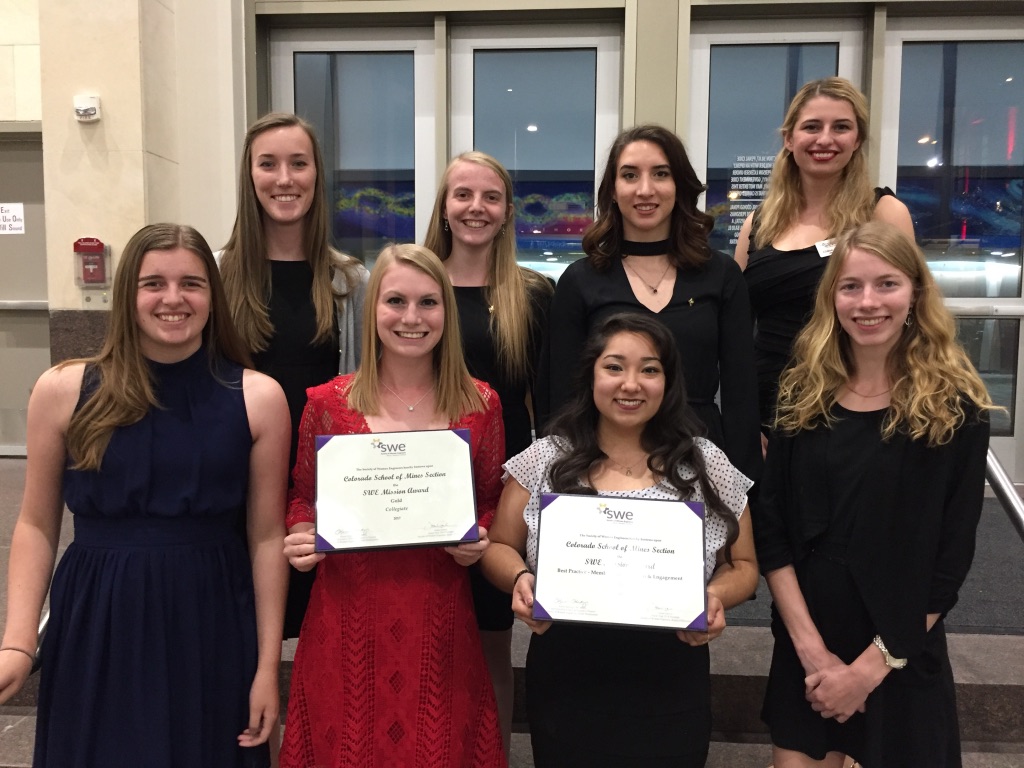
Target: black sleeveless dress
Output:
[(782, 286)]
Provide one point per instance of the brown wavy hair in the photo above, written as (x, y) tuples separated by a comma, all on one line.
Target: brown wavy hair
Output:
[(690, 227), (125, 391), (930, 374)]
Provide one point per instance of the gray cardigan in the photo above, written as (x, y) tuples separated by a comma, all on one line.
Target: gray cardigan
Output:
[(350, 318)]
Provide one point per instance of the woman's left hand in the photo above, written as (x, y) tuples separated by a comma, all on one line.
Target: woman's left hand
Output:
[(839, 691), (716, 623), (468, 554), (264, 709)]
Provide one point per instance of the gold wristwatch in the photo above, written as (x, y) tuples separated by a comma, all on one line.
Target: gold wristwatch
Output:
[(890, 661)]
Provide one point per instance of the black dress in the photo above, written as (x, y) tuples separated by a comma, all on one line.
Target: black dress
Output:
[(709, 316), (481, 354), (879, 535), (151, 647), (782, 286), (493, 609), (296, 363)]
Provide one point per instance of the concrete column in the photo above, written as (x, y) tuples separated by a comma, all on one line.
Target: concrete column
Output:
[(172, 97)]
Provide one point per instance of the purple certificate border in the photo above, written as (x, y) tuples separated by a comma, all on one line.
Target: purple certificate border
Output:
[(699, 623), (471, 535)]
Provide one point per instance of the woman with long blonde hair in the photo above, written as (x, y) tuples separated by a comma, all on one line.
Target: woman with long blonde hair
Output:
[(819, 188), (388, 668), (502, 311), (297, 302), (865, 530)]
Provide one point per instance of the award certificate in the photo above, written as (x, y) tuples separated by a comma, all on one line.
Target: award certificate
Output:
[(394, 489), (611, 560)]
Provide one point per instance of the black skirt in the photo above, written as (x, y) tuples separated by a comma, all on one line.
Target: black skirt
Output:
[(607, 696)]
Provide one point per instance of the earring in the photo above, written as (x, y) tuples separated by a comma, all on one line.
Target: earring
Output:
[(446, 225), (503, 229), (910, 318)]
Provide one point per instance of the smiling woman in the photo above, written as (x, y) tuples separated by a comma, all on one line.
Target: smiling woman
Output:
[(158, 446), (627, 433), (818, 189), (872, 493), (648, 252), (173, 303), (390, 635), (296, 300), (502, 314)]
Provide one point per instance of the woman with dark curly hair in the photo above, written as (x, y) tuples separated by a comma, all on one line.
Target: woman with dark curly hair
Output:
[(601, 695), (648, 252)]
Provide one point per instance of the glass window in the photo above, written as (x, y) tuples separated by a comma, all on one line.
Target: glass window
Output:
[(992, 344), (362, 106), (545, 138), (751, 87), (960, 161), (544, 100), (370, 93)]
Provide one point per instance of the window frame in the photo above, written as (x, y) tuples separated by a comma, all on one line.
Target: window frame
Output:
[(847, 33)]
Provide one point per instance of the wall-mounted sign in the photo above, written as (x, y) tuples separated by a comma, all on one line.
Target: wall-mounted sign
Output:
[(12, 218)]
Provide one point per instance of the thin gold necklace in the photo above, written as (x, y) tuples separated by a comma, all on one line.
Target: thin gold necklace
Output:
[(627, 469), (868, 397), (651, 288), (402, 400)]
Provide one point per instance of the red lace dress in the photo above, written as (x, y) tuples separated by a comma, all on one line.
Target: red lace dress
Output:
[(388, 670)]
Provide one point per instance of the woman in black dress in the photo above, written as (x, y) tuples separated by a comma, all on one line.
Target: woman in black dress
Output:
[(647, 252), (608, 696), (297, 302), (819, 188), (867, 515), (502, 309)]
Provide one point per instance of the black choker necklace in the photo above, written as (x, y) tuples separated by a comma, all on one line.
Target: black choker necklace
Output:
[(655, 248)]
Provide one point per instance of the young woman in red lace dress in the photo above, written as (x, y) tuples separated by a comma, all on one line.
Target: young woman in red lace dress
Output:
[(389, 668)]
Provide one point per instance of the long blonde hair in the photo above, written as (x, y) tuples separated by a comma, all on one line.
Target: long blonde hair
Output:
[(852, 199), (125, 393), (457, 395), (244, 264), (509, 286), (929, 371)]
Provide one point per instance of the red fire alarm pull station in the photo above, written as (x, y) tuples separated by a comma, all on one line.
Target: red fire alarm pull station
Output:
[(92, 263)]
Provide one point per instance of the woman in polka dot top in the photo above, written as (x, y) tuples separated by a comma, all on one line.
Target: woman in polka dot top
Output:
[(600, 695)]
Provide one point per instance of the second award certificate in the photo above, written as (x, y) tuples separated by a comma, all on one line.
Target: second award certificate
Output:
[(611, 560), (394, 489)]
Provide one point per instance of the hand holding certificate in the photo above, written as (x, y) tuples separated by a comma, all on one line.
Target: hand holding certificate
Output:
[(394, 489), (615, 560)]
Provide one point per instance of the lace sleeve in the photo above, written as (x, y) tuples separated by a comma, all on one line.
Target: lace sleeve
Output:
[(302, 494), (487, 458)]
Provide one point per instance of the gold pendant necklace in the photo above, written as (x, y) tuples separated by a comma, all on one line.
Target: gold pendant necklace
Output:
[(651, 288)]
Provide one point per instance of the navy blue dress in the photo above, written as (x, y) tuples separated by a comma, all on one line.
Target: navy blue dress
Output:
[(151, 648)]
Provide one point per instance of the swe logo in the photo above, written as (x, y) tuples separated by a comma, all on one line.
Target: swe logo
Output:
[(388, 449), (615, 515)]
